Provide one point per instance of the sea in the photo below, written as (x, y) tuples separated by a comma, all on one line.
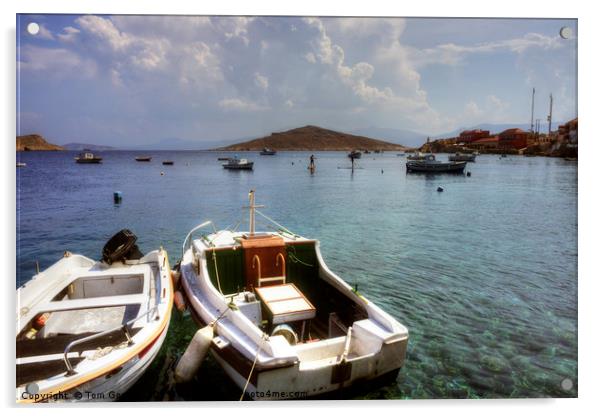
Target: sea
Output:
[(483, 273)]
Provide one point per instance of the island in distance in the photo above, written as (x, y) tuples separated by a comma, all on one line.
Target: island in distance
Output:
[(32, 142), (313, 138)]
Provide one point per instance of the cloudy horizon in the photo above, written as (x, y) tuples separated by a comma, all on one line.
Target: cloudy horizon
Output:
[(131, 80)]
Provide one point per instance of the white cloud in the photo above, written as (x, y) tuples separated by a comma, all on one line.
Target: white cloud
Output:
[(69, 34), (261, 81), (55, 62), (240, 104), (44, 33)]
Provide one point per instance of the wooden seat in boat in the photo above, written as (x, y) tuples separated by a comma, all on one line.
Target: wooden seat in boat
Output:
[(285, 303)]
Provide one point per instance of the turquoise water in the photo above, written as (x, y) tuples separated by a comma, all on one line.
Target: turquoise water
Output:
[(483, 274)]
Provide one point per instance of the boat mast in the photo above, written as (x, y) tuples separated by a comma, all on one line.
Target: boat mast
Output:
[(252, 207)]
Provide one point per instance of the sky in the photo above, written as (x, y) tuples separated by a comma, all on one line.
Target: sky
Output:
[(133, 80)]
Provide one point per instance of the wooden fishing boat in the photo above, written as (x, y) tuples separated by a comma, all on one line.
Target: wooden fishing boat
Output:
[(87, 330), (238, 164), (430, 165), (168, 162), (143, 158), (267, 152), (88, 157), (285, 326)]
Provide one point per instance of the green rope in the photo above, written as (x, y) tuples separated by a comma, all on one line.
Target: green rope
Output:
[(292, 255)]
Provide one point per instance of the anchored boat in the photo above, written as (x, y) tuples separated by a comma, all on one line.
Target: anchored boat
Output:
[(238, 164), (88, 157), (267, 152), (87, 330), (284, 325), (144, 158), (430, 165), (462, 157)]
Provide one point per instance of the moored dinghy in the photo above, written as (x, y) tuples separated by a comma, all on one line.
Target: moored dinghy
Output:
[(87, 330), (285, 326)]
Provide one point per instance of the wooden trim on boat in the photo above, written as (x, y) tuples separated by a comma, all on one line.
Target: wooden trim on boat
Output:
[(132, 354)]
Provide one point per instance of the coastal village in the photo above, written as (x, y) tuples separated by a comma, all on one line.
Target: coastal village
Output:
[(560, 143)]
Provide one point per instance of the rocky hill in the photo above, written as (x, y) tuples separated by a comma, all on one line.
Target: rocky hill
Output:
[(313, 138), (34, 142)]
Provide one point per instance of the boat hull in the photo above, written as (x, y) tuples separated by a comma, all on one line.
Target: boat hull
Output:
[(89, 161), (452, 167), (239, 167)]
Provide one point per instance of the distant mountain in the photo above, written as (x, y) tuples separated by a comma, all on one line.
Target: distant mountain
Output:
[(313, 138), (82, 146), (34, 142), (495, 128), (404, 137)]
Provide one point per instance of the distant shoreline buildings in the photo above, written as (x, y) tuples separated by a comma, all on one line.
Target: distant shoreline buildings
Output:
[(561, 143)]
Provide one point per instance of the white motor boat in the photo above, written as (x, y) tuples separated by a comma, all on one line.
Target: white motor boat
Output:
[(285, 326), (238, 164), (87, 330)]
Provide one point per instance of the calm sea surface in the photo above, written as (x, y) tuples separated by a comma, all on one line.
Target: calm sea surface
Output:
[(484, 274)]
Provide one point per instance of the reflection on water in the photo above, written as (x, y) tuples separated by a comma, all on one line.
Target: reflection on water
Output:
[(483, 274)]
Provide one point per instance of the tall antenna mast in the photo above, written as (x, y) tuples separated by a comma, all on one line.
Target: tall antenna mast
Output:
[(550, 116), (532, 108)]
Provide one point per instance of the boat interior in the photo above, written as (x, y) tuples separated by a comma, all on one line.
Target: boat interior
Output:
[(95, 305), (276, 283)]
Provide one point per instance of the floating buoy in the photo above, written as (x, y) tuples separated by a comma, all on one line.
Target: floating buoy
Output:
[(191, 360), (468, 173), (175, 277), (117, 197), (382, 171), (439, 189), (178, 299), (162, 173)]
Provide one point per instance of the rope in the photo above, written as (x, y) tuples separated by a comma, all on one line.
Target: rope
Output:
[(274, 222), (219, 287), (292, 254), (244, 390)]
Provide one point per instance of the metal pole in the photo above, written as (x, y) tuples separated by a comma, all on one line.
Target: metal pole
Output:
[(252, 212), (550, 117), (532, 108)]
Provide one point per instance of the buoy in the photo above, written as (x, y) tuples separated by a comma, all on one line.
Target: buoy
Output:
[(468, 173), (175, 277), (178, 299), (382, 171), (191, 360), (117, 197), (439, 189), (162, 173)]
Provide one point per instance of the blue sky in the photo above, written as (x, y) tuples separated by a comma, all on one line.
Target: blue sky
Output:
[(130, 80)]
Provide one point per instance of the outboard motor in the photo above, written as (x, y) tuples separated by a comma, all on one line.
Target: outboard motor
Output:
[(121, 247)]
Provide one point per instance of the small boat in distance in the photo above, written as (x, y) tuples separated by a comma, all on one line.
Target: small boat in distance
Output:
[(430, 165), (354, 154), (281, 319), (168, 162), (222, 159), (143, 158), (235, 163), (267, 152), (92, 326), (21, 164), (88, 157), (462, 157)]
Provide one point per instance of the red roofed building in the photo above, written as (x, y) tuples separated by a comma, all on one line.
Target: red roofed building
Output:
[(485, 144), (513, 139), (469, 136)]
